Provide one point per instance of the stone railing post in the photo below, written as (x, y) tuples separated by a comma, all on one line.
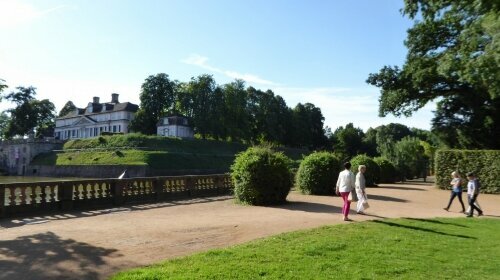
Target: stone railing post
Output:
[(2, 201), (158, 188), (219, 183), (65, 195), (117, 186), (190, 185)]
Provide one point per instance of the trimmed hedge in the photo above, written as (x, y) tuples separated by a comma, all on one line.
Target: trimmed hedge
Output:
[(484, 163), (372, 169), (261, 176), (317, 173), (388, 172)]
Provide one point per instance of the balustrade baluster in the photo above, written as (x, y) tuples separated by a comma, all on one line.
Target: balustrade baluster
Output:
[(141, 188), (22, 196), (92, 191), (32, 195), (12, 196), (85, 191), (43, 195), (76, 191), (107, 190), (53, 193), (100, 188)]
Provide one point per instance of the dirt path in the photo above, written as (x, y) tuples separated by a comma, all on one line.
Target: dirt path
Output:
[(96, 244)]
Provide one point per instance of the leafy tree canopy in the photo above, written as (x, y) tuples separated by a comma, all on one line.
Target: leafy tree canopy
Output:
[(67, 108), (2, 86), (453, 57), (348, 140), (29, 115), (157, 98)]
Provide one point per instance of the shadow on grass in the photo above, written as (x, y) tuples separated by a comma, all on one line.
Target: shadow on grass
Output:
[(309, 207), (385, 198), (48, 256), (47, 217), (421, 229), (435, 222), (372, 215), (494, 216)]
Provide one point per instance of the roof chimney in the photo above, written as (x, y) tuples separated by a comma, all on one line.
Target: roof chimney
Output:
[(96, 99), (114, 98)]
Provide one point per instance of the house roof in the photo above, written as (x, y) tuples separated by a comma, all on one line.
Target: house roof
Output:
[(176, 119), (101, 108)]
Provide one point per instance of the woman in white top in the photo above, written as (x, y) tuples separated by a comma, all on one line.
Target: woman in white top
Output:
[(345, 184), (361, 189)]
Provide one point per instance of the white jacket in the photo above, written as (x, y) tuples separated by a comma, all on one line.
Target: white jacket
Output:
[(345, 182), (360, 182)]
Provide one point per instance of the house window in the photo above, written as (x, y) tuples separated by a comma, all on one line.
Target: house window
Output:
[(114, 128), (119, 128)]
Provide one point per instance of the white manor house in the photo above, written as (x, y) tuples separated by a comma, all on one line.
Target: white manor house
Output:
[(95, 119)]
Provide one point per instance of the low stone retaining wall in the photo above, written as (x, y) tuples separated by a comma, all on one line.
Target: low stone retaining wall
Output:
[(38, 197)]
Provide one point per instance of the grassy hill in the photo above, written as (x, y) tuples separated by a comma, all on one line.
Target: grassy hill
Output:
[(155, 151)]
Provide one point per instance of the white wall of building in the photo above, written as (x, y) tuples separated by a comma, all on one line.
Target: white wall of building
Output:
[(175, 131)]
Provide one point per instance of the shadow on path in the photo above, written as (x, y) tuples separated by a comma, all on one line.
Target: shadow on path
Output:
[(419, 183), (309, 207), (402, 188), (385, 198), (47, 256), (44, 218), (392, 224)]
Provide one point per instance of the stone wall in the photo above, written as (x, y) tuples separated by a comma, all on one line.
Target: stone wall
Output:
[(86, 171), (16, 155), (111, 171)]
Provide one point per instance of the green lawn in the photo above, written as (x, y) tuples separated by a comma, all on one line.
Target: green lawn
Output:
[(428, 249), (155, 151)]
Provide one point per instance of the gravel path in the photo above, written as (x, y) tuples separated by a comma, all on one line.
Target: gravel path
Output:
[(96, 244)]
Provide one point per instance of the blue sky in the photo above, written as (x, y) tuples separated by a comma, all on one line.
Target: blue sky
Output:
[(306, 51)]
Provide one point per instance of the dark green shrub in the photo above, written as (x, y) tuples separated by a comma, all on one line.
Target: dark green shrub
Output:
[(372, 173), (485, 163), (261, 176), (318, 173), (388, 173)]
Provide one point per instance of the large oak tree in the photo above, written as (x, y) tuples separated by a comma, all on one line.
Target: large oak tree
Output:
[(453, 58)]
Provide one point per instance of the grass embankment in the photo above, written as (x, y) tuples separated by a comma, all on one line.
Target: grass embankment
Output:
[(155, 151), (384, 249)]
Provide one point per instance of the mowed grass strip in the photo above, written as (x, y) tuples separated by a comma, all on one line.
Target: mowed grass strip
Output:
[(457, 248)]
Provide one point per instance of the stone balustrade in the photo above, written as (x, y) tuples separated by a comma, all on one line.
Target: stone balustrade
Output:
[(35, 197)]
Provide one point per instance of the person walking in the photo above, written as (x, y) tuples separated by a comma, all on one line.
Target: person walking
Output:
[(472, 193), (361, 190), (345, 184), (456, 190)]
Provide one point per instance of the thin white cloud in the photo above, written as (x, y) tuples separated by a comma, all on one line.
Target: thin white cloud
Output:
[(16, 12), (201, 61)]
